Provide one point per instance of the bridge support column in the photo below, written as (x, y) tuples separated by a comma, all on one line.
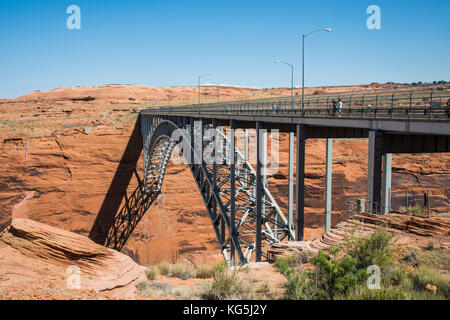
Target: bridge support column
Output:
[(328, 186), (300, 180), (198, 142), (232, 189), (387, 182), (264, 172), (258, 192), (291, 182), (246, 144), (191, 124), (375, 168), (214, 170)]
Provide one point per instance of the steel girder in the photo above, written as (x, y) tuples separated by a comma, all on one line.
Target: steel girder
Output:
[(215, 188)]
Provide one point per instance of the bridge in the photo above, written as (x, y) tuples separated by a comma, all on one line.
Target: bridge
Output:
[(243, 212)]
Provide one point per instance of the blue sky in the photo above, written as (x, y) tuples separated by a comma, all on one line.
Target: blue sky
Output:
[(169, 43)]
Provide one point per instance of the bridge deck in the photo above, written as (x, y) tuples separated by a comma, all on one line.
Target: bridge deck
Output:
[(417, 111)]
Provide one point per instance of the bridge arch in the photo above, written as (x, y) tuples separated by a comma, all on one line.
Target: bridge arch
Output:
[(239, 241)]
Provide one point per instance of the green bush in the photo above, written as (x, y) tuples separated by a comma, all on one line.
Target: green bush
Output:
[(375, 249), (330, 277), (335, 278), (396, 277), (298, 286), (344, 277), (286, 262)]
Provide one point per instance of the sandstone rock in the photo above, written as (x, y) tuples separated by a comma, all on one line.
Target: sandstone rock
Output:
[(31, 250), (406, 229), (432, 288)]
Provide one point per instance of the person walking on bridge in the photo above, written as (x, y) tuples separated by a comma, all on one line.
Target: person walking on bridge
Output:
[(334, 105), (274, 109), (447, 110), (339, 107)]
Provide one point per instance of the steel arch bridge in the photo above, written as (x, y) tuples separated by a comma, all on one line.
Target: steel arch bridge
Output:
[(233, 218), (243, 213)]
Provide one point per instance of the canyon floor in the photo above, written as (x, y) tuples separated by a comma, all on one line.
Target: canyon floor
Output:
[(60, 151)]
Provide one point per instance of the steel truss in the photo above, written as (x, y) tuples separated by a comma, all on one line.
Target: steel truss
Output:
[(214, 181)]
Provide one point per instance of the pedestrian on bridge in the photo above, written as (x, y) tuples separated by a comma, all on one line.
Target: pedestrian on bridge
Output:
[(274, 108), (447, 110), (334, 107), (339, 107)]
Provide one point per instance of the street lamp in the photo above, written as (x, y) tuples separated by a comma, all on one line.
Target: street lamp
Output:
[(292, 80), (303, 66), (291, 155), (203, 75)]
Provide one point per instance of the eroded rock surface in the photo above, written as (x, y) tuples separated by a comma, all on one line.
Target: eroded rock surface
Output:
[(31, 251)]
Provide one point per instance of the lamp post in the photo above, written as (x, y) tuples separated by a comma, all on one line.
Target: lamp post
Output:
[(292, 80), (291, 156), (203, 75), (303, 66)]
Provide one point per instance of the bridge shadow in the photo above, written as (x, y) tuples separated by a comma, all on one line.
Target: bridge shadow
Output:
[(111, 213), (135, 207)]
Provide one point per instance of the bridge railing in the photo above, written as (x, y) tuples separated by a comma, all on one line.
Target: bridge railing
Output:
[(415, 103)]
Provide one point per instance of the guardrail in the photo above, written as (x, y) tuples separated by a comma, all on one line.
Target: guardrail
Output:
[(416, 103)]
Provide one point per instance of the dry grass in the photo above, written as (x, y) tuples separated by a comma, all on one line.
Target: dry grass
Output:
[(164, 268), (205, 271), (152, 272), (186, 271)]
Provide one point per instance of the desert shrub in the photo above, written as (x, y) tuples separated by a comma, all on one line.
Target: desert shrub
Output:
[(182, 271), (220, 266), (152, 272), (416, 209), (298, 286), (332, 276), (154, 289), (178, 270), (425, 275), (434, 258), (375, 249), (226, 285), (205, 271), (162, 290), (263, 292), (164, 268), (396, 276), (286, 262), (343, 276), (385, 293), (329, 278)]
